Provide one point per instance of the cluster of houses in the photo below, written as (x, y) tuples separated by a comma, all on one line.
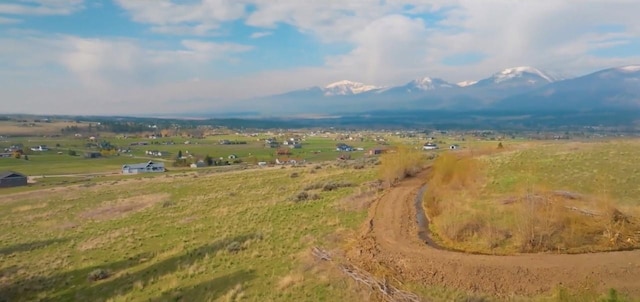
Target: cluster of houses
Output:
[(433, 146), (156, 153), (292, 143)]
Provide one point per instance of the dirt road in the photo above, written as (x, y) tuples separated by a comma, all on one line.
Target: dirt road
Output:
[(390, 238)]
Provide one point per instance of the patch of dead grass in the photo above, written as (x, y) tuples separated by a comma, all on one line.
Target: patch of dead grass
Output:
[(124, 206)]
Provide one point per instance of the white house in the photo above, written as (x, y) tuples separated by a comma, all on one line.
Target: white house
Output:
[(429, 146), (148, 167), (40, 148)]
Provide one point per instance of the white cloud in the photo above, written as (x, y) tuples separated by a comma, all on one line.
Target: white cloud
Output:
[(260, 34), (390, 42), (4, 20), (41, 7), (194, 18)]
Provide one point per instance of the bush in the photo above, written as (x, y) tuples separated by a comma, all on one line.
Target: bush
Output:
[(98, 274), (295, 175), (234, 247), (404, 162), (334, 185), (73, 153)]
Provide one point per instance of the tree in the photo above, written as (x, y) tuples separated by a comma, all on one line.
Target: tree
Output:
[(209, 160), (500, 146), (179, 154), (26, 157), (73, 153)]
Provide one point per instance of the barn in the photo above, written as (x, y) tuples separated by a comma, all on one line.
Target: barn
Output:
[(9, 179)]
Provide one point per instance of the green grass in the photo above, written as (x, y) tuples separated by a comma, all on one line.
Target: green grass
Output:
[(606, 168), (315, 149), (176, 237)]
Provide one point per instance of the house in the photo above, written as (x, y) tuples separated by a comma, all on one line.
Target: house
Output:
[(289, 161), (156, 153), (429, 146), (198, 164), (9, 179), (40, 148), (147, 167), (344, 148), (92, 154)]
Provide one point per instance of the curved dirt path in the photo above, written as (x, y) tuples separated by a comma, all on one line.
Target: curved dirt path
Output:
[(389, 239)]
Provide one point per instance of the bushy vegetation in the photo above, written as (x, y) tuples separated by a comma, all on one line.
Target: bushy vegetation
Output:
[(400, 163), (470, 212)]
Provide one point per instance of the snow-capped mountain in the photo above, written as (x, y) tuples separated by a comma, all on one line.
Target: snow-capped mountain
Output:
[(347, 88), (466, 83), (610, 88), (517, 76), (517, 88)]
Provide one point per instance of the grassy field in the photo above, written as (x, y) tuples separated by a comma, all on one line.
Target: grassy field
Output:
[(58, 161), (559, 197), (182, 237)]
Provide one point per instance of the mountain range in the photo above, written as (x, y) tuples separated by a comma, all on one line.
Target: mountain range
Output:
[(513, 89)]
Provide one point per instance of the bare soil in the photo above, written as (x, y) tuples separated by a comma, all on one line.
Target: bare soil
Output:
[(389, 240)]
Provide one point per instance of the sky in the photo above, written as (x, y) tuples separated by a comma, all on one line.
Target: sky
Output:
[(103, 57)]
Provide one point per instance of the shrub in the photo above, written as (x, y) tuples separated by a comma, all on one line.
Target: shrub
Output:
[(334, 185), (98, 274), (73, 153), (404, 162), (295, 175), (234, 247)]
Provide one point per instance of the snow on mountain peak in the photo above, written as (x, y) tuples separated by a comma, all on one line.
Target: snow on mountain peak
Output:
[(629, 68), (466, 83), (345, 87), (517, 72), (428, 83)]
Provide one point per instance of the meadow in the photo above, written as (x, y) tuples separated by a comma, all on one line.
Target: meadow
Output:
[(181, 237)]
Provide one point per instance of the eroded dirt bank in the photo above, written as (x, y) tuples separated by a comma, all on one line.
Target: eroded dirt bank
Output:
[(390, 239)]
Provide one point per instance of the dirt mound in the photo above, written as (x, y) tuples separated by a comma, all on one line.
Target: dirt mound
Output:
[(390, 239)]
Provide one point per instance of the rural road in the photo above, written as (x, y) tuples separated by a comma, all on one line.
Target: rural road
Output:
[(390, 238)]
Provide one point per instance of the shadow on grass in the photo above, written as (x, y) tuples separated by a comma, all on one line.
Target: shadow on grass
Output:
[(75, 286), (29, 246), (209, 290)]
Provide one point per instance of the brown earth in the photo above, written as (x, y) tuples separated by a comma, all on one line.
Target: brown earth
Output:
[(389, 240)]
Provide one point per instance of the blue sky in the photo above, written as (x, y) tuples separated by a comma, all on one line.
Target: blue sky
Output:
[(126, 56)]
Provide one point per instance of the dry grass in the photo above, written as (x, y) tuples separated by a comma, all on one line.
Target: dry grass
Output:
[(467, 214), (400, 163), (124, 206)]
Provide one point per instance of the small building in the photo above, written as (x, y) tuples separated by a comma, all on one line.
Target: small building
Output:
[(429, 146), (10, 179), (40, 148), (148, 167), (92, 154)]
